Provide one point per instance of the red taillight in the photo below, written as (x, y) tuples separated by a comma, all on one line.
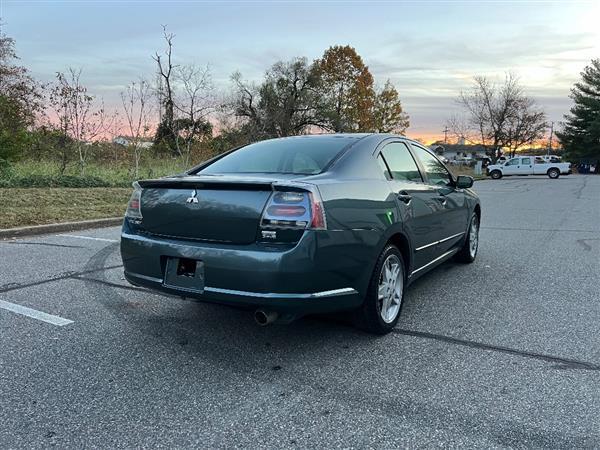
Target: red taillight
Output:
[(317, 221), (134, 207), (296, 209), (287, 211)]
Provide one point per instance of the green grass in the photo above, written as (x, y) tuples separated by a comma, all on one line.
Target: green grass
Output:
[(29, 197), (36, 206), (111, 173)]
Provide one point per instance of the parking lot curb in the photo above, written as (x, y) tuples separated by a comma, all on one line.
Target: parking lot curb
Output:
[(34, 230)]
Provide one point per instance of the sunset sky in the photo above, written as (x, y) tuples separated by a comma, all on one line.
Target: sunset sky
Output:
[(429, 50)]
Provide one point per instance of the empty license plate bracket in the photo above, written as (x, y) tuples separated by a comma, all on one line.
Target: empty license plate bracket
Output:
[(185, 274)]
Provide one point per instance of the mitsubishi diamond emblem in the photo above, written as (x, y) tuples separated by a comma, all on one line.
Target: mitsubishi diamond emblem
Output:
[(192, 198)]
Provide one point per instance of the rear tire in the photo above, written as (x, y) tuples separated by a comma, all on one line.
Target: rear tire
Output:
[(383, 303), (468, 251), (496, 174), (553, 173)]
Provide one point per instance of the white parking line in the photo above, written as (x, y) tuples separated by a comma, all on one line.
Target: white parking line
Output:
[(35, 314), (88, 237)]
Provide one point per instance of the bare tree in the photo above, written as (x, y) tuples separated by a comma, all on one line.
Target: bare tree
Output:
[(78, 117), (498, 116), (137, 109), (194, 101), (165, 89), (284, 104), (526, 125), (245, 104)]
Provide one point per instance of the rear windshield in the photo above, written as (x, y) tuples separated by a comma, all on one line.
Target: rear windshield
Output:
[(302, 155)]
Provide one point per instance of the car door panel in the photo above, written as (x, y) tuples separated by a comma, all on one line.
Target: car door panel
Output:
[(455, 216), (512, 167), (525, 166), (451, 213), (417, 203), (419, 209)]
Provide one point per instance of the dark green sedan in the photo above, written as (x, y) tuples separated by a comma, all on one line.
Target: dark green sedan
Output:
[(302, 225)]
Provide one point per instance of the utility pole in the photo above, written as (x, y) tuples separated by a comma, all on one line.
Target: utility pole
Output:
[(550, 141), (446, 134)]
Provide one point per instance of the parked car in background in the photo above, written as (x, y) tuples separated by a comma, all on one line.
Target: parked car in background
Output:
[(528, 165), (302, 225)]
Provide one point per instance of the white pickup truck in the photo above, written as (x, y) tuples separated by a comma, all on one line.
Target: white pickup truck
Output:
[(528, 165)]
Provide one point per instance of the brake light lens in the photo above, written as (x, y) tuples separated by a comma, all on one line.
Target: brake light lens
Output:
[(295, 210), (287, 211), (134, 207), (318, 221)]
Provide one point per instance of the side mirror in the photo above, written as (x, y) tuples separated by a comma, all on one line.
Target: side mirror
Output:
[(464, 182)]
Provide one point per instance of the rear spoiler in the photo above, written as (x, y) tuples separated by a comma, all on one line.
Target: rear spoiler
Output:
[(203, 183)]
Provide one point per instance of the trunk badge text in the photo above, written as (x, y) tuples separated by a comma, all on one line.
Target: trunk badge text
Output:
[(192, 198), (269, 234)]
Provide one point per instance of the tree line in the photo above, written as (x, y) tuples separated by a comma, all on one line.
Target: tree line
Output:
[(181, 111)]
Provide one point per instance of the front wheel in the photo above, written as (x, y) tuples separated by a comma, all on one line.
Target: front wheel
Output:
[(468, 251), (553, 173), (496, 174), (381, 309)]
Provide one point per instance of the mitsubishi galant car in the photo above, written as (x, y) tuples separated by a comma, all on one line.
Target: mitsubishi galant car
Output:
[(302, 225)]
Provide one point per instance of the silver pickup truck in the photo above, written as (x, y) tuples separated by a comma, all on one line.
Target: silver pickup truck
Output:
[(528, 165)]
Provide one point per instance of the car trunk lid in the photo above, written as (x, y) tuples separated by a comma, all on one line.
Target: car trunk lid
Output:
[(208, 208)]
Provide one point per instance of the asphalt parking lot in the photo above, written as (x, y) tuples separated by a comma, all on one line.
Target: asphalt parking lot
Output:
[(501, 353)]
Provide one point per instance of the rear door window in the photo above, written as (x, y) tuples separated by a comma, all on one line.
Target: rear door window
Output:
[(401, 164)]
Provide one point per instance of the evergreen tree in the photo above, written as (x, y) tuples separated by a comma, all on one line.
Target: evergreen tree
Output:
[(580, 136)]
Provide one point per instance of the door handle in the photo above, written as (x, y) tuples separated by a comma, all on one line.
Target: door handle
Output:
[(405, 197)]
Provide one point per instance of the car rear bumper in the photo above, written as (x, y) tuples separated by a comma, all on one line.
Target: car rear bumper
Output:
[(294, 303), (312, 276)]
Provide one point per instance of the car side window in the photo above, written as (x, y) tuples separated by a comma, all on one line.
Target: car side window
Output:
[(435, 170), (526, 161), (400, 162), (513, 162)]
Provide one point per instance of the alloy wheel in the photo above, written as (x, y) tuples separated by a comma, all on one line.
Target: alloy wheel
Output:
[(391, 284), (474, 236)]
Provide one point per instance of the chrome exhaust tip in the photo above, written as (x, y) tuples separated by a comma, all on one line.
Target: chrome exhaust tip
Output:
[(264, 318)]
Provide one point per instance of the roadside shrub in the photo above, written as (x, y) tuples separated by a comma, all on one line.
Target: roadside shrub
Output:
[(6, 169)]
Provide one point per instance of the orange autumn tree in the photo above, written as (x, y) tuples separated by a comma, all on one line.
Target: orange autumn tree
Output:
[(346, 88)]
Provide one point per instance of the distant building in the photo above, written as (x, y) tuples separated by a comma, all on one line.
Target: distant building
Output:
[(126, 141), (458, 151)]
